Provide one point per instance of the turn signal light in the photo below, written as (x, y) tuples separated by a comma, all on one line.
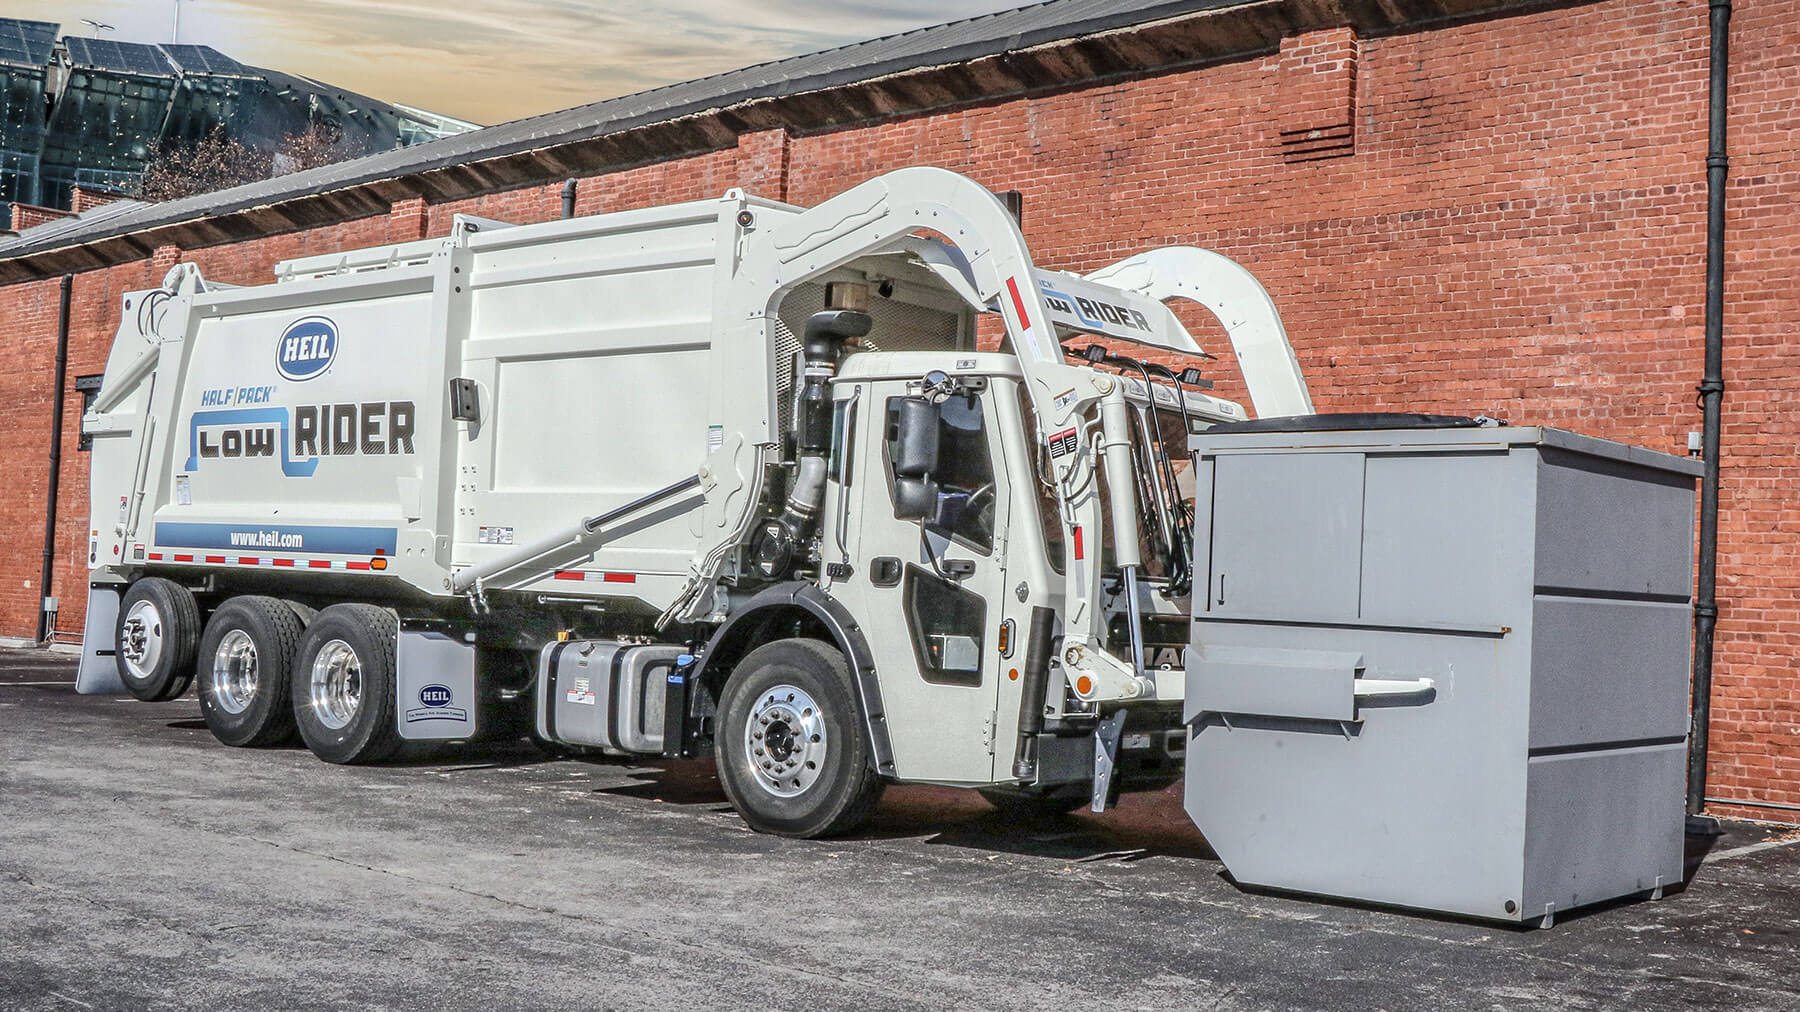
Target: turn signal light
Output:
[(378, 562)]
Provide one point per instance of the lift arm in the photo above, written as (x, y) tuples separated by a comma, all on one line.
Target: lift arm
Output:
[(997, 267), (1231, 293)]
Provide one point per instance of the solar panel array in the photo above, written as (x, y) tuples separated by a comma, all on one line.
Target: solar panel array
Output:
[(122, 57), (26, 43), (31, 44), (205, 60)]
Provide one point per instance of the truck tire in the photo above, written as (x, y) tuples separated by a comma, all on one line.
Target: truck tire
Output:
[(792, 746), (342, 685), (246, 656), (155, 640)]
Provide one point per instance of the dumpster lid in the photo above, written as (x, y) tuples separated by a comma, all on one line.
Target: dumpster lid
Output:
[(1351, 421), (1343, 431)]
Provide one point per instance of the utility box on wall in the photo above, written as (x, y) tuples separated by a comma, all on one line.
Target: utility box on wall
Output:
[(1440, 665)]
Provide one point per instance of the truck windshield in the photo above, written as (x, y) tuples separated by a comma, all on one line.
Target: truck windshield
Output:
[(1163, 519), (1163, 484), (1048, 520)]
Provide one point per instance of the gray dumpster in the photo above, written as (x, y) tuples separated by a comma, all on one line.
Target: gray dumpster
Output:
[(1441, 666)]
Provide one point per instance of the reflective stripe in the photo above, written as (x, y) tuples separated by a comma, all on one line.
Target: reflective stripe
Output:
[(580, 574), (1012, 287), (265, 562)]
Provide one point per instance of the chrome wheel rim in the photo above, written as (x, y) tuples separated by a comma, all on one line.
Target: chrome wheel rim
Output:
[(785, 741), (234, 672), (142, 644), (336, 684)]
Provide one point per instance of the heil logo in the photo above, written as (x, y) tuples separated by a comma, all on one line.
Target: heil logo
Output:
[(435, 695), (306, 348)]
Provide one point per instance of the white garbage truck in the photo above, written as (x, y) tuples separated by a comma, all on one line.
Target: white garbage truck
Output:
[(734, 478)]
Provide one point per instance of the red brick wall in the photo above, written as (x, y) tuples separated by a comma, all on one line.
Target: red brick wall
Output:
[(26, 216), (1515, 228), (84, 199)]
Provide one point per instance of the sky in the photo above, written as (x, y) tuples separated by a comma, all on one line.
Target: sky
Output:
[(493, 60)]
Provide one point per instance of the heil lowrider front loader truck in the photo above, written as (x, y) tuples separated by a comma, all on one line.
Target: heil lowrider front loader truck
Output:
[(730, 478)]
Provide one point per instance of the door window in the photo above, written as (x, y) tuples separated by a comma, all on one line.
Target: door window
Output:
[(965, 474), (946, 623)]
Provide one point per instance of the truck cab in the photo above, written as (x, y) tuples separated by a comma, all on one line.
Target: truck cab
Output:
[(952, 589)]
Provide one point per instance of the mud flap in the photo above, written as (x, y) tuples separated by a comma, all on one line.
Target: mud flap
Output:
[(98, 674), (434, 692)]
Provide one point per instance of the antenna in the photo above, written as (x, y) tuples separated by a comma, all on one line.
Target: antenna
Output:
[(97, 26), (175, 35)]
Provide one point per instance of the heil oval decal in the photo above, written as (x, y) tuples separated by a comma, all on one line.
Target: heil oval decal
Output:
[(435, 695), (306, 348)]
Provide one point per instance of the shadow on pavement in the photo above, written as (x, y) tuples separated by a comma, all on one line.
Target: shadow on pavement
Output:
[(1142, 826)]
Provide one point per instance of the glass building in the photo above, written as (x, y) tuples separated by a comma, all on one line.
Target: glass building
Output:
[(25, 51), (95, 112)]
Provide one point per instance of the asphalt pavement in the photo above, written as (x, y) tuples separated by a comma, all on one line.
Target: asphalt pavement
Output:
[(145, 866)]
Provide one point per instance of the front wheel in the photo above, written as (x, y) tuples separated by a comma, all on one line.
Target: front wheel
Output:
[(792, 748), (342, 684)]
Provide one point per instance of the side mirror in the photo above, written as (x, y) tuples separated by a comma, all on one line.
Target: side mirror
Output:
[(916, 441), (915, 498)]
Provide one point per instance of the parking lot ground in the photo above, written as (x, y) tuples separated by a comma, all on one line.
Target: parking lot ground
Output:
[(143, 865)]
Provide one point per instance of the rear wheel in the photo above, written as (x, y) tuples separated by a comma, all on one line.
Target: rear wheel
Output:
[(342, 684), (792, 748), (154, 642), (245, 658)]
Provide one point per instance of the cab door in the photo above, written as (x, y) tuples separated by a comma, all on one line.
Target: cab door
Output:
[(930, 594)]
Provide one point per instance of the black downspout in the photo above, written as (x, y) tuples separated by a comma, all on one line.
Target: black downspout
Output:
[(44, 632), (568, 195), (1712, 392)]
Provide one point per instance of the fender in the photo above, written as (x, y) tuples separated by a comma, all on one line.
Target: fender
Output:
[(844, 632)]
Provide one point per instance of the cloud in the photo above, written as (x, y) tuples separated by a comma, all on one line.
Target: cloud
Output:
[(503, 59), (494, 60)]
